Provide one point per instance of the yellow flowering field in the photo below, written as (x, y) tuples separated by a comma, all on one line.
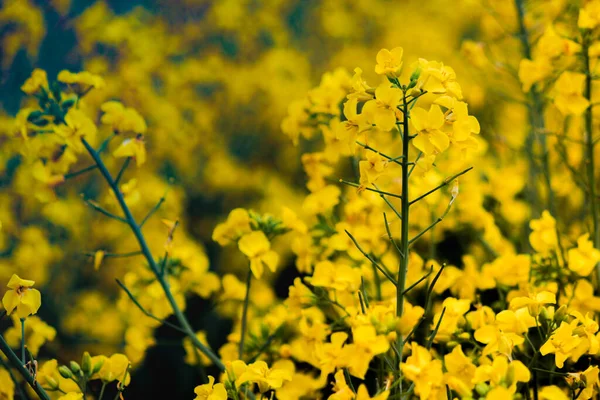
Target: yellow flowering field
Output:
[(300, 199)]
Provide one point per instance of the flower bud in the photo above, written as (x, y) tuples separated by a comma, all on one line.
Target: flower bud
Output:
[(561, 313), (482, 388), (75, 367), (51, 382), (415, 92), (86, 363), (98, 366), (65, 372)]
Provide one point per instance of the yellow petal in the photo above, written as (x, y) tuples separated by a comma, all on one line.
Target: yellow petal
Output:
[(10, 300)]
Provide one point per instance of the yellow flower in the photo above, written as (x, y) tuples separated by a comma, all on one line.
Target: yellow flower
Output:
[(589, 16), (562, 343), (389, 62), (591, 381), (534, 302), (23, 297), (366, 345), (121, 118), (589, 328), (77, 126), (569, 98), (114, 368), (382, 110), (425, 372), (463, 124), (371, 169), (438, 78), (533, 71), (81, 81), (428, 125), (135, 148), (291, 220), (543, 233), (37, 80), (257, 248), (322, 200), (338, 276), (361, 91), (503, 371), (341, 390), (236, 225), (584, 257), (210, 391), (461, 372), (330, 354), (266, 378)]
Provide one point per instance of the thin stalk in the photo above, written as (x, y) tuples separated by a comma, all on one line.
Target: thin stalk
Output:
[(185, 325), (23, 341), (404, 209), (446, 182), (245, 314), (102, 391), (81, 171), (589, 152)]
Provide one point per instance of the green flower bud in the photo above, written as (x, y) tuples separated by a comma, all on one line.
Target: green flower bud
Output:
[(98, 366), (482, 388), (51, 383), (65, 372), (75, 367), (86, 363)]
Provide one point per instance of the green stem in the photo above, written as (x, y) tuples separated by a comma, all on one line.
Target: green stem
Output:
[(81, 171), (16, 363), (102, 391), (405, 204), (245, 314), (23, 341), (185, 325), (589, 151), (404, 209)]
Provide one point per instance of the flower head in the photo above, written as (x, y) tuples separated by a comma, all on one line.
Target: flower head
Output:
[(23, 297)]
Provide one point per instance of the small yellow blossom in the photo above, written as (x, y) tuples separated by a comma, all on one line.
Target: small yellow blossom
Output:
[(563, 343), (569, 98), (265, 377), (543, 233), (210, 391), (257, 248), (382, 110), (371, 169), (122, 119), (37, 80), (23, 297), (389, 62), (583, 258), (428, 125), (135, 148), (533, 71), (77, 126), (237, 224), (81, 81)]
